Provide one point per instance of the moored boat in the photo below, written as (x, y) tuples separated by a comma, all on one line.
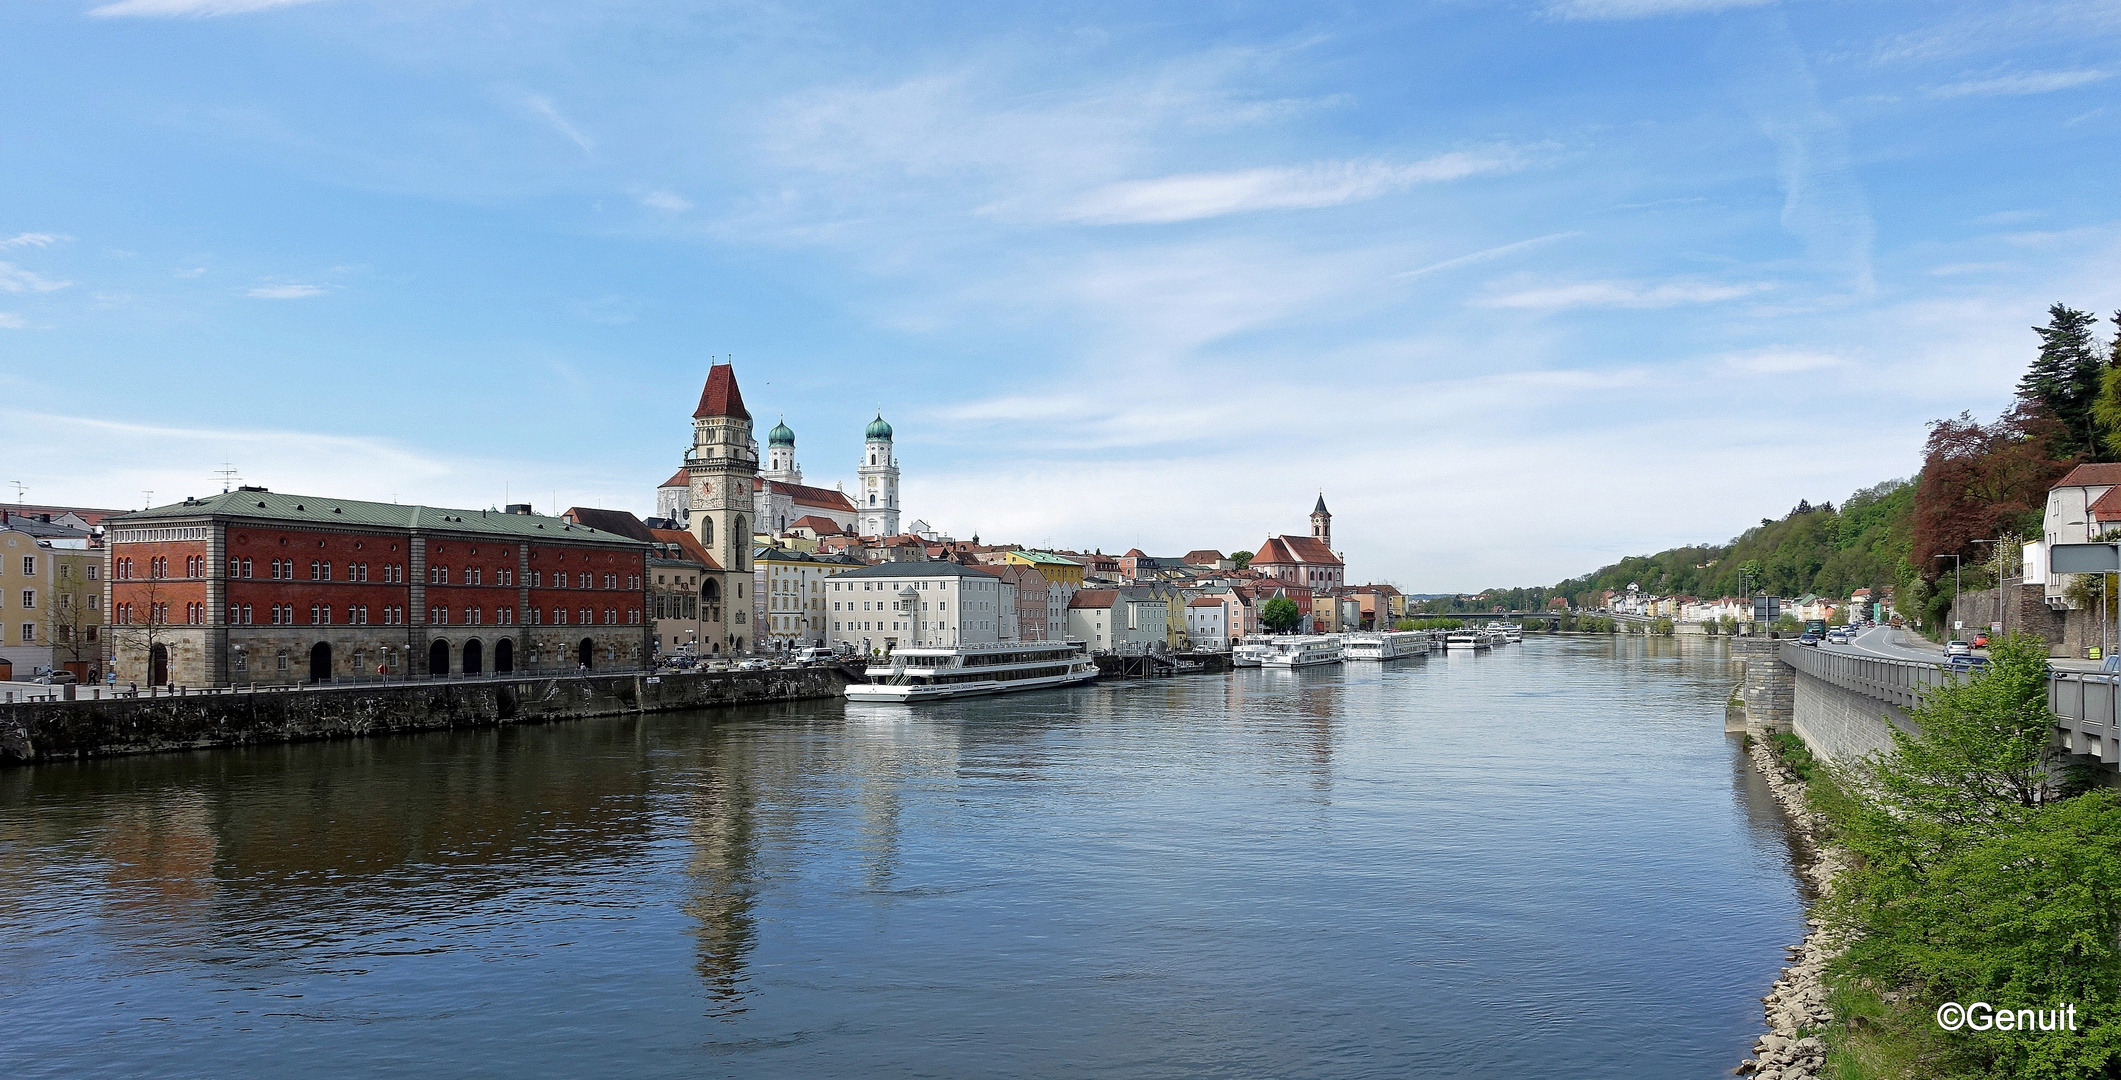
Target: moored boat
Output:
[(922, 673), (1468, 641), (1389, 645), (1304, 651)]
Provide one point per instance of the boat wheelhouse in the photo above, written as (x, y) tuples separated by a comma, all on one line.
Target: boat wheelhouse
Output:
[(918, 673)]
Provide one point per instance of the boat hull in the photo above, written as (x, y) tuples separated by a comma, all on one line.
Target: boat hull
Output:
[(911, 692)]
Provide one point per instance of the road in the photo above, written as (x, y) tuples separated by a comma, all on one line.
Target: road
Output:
[(1891, 643)]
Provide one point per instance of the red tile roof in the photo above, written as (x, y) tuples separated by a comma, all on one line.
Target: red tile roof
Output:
[(1093, 598), (1206, 601), (805, 495), (720, 397), (2095, 475), (680, 478), (1204, 557), (688, 543), (2107, 507), (611, 521), (818, 525)]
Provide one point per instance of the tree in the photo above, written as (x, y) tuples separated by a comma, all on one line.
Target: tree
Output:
[(1280, 614), (1241, 558), (148, 625), (2106, 410), (1982, 482), (70, 623), (2067, 377)]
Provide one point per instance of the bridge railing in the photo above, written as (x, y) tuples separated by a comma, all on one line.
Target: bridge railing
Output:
[(1896, 682), (2086, 706)]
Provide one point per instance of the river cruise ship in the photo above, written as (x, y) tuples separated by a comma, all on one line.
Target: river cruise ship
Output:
[(1511, 632), (1468, 641), (1390, 645), (921, 673), (1296, 652), (1250, 652)]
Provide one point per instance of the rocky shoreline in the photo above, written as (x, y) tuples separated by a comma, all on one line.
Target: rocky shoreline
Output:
[(1798, 999)]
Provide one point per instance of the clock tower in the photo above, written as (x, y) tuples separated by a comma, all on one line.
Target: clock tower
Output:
[(722, 465)]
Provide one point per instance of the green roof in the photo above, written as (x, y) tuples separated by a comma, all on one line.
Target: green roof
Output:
[(279, 508), (877, 429), (781, 435), (1045, 558)]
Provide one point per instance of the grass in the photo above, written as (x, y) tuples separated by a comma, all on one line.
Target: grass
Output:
[(1875, 1039), (1791, 751)]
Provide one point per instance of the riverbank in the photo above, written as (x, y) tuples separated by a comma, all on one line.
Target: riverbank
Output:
[(1796, 1006), (72, 730)]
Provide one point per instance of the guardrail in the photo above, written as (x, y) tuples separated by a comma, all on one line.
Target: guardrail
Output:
[(1896, 682), (2085, 707)]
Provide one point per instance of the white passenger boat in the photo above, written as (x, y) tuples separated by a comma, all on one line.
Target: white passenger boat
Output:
[(1389, 645), (1496, 636), (1250, 652), (1468, 641), (1513, 632), (1305, 651), (928, 673)]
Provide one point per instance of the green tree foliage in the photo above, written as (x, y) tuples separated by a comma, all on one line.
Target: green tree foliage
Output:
[(1241, 558), (1280, 614), (2067, 375), (1986, 872)]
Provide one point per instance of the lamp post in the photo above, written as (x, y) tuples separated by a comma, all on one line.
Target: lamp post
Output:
[(1955, 580), (2002, 616)]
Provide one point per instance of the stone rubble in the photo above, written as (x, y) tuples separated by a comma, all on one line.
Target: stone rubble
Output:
[(1797, 1002)]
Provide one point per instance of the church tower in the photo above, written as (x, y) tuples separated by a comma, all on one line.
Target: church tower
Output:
[(780, 455), (1322, 522), (876, 494), (722, 465)]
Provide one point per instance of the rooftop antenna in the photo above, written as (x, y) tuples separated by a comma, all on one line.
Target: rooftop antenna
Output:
[(228, 476), (19, 489), (150, 493)]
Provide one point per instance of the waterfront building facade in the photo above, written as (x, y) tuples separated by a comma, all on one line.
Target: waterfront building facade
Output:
[(51, 598), (789, 585), (880, 607), (1111, 620), (1208, 623), (255, 586), (685, 597)]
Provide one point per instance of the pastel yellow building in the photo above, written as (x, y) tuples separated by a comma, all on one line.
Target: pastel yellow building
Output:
[(1056, 568)]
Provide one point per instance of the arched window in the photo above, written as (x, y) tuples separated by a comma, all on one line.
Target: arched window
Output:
[(707, 532)]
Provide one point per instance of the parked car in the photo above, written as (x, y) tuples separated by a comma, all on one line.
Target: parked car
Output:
[(1956, 647), (1964, 664), (1981, 641), (753, 665), (56, 678), (1807, 638)]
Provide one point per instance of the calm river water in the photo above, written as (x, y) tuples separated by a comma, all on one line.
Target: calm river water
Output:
[(1546, 862)]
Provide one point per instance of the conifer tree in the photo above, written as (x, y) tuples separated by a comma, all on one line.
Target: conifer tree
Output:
[(2067, 376)]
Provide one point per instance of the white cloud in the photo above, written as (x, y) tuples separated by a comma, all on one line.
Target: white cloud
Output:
[(1204, 195), (1963, 268), (285, 292), (1643, 9), (1824, 203), (34, 239), (666, 200), (9, 321), (14, 279), (2035, 82), (542, 107), (1620, 294), (1778, 362), (190, 272), (187, 8)]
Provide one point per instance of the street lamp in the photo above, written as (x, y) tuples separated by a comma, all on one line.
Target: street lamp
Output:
[(2002, 612), (1955, 581)]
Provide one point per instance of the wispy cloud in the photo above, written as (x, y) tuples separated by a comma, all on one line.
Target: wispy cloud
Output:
[(1194, 196), (543, 108), (1824, 203), (166, 9), (669, 201), (9, 321), (34, 239), (1644, 9), (1964, 268), (1620, 294), (14, 279), (284, 292), (1482, 256), (2032, 82)]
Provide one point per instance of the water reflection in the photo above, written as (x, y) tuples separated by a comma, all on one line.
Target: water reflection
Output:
[(719, 821)]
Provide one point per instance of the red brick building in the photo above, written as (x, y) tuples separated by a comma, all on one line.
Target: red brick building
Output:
[(254, 586)]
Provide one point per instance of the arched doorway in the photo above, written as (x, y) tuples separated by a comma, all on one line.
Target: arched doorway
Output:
[(158, 665), (474, 657), (438, 658), (504, 655), (585, 652), (320, 662)]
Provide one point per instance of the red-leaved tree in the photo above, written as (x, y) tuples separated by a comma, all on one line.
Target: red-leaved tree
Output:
[(1982, 481)]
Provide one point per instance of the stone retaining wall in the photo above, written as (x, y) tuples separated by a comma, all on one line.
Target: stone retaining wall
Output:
[(1767, 689), (1843, 725), (83, 729)]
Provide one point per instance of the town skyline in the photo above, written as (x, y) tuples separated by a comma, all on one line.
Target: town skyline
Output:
[(1463, 271)]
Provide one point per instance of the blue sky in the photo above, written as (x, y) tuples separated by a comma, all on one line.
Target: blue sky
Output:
[(1521, 287)]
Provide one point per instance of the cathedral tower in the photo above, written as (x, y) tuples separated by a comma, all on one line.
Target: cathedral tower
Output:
[(1322, 522), (780, 455), (876, 496), (722, 465)]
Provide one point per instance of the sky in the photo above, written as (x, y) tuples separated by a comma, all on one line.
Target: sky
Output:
[(1521, 288)]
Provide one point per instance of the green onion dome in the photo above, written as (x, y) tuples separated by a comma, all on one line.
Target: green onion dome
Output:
[(878, 429), (781, 435)]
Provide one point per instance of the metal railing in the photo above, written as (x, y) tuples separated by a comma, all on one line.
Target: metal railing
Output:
[(2085, 707), (1895, 682)]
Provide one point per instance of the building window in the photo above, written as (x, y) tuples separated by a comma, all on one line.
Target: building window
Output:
[(29, 632), (29, 599), (246, 615)]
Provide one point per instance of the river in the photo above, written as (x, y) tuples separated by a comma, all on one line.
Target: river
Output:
[(1545, 862)]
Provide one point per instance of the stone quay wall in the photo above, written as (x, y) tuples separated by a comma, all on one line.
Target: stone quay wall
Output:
[(1843, 725), (63, 730), (1767, 691)]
